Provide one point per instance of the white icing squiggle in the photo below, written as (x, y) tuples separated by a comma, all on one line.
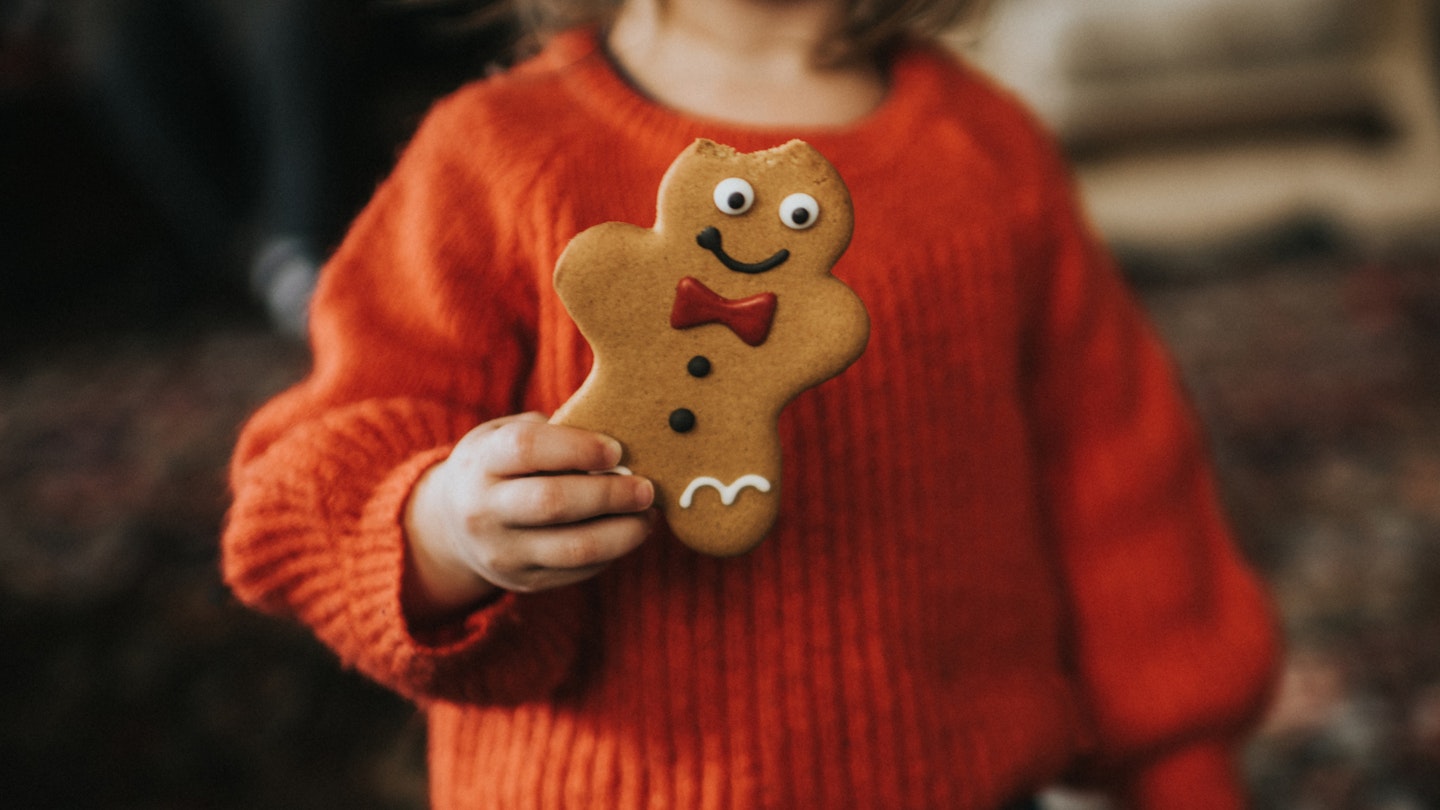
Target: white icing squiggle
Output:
[(729, 493)]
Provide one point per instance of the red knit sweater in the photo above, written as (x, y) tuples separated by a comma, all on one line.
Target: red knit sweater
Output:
[(1000, 561)]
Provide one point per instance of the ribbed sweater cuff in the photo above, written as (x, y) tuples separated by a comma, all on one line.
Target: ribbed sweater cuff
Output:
[(514, 649), (377, 566), (1201, 777)]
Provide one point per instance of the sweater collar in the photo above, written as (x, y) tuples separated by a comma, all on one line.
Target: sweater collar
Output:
[(916, 93)]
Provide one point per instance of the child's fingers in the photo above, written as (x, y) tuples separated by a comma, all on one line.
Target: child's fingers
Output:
[(573, 553), (553, 500), (544, 579), (524, 447), (527, 416)]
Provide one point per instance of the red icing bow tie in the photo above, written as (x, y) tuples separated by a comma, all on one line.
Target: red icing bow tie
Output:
[(696, 304)]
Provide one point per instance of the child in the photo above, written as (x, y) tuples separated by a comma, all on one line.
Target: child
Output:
[(999, 564)]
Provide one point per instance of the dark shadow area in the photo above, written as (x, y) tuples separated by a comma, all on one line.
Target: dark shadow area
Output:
[(135, 344)]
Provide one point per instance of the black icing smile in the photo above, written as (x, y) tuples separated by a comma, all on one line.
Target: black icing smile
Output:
[(710, 240)]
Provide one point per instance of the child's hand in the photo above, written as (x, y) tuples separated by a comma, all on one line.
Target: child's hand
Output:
[(514, 507)]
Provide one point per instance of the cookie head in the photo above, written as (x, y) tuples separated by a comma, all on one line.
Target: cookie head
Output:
[(780, 210)]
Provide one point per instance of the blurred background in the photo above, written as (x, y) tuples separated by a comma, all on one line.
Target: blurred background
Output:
[(173, 172)]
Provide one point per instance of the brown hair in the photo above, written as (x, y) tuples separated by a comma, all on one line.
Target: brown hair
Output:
[(869, 27)]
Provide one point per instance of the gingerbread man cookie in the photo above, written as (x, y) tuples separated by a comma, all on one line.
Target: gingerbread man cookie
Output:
[(706, 325)]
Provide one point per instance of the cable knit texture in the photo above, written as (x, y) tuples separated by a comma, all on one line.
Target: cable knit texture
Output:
[(1000, 561)]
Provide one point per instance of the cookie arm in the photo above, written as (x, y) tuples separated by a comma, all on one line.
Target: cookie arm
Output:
[(597, 262), (1174, 638), (823, 334), (402, 370), (841, 331)]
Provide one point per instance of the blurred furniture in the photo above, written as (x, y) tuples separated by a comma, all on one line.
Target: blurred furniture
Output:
[(1196, 123)]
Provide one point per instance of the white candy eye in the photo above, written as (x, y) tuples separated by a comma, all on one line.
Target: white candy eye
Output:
[(734, 196), (799, 211)]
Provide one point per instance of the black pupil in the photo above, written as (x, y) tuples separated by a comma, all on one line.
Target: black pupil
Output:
[(736, 200), (800, 216)]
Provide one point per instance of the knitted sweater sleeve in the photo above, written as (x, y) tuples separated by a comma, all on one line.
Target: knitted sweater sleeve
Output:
[(1173, 636), (422, 328)]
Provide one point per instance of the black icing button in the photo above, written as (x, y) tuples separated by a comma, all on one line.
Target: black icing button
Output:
[(682, 420), (699, 366)]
